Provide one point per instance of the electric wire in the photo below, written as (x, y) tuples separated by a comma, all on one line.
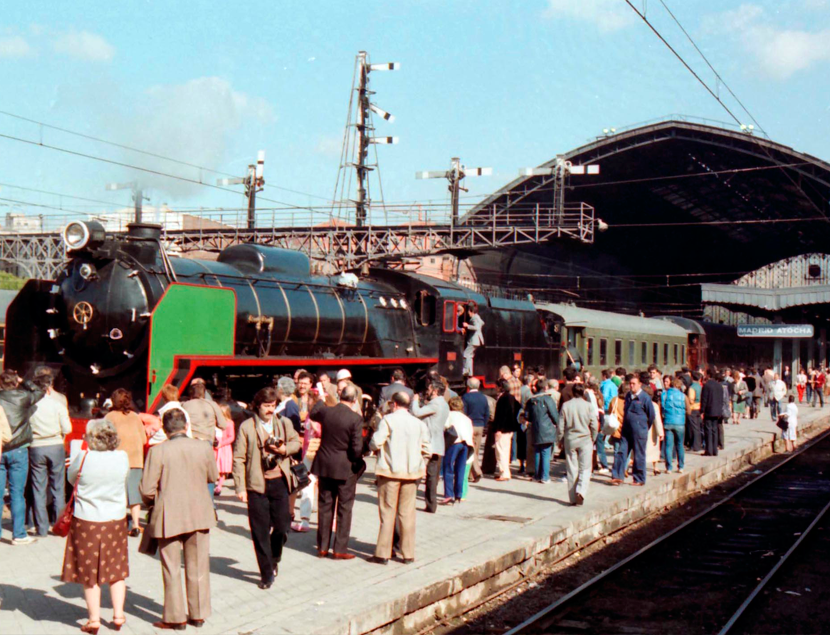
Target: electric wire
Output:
[(144, 152), (185, 179), (720, 101)]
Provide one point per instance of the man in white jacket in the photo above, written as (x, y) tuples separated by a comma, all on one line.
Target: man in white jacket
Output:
[(778, 397), (402, 442)]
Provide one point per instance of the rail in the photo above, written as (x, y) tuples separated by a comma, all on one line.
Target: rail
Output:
[(581, 597)]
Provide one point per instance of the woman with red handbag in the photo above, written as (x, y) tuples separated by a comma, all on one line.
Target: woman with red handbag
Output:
[(96, 547)]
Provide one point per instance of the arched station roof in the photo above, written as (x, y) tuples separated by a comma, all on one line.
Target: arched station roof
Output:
[(739, 202)]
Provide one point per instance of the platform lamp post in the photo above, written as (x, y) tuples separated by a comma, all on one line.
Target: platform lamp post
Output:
[(254, 182), (455, 175), (138, 195)]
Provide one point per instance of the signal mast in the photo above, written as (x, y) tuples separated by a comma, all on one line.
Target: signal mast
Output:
[(355, 152)]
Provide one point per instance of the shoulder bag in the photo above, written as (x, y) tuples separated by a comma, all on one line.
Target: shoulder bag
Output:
[(61, 526)]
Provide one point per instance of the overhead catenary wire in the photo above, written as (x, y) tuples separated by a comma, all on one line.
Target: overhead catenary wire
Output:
[(148, 153), (719, 100), (122, 164)]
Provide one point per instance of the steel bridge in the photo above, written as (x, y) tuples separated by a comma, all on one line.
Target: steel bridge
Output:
[(42, 254)]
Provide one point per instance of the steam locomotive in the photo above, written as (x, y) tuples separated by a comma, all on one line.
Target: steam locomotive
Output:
[(124, 313)]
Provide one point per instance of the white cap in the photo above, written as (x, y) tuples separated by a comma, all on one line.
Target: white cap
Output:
[(343, 374)]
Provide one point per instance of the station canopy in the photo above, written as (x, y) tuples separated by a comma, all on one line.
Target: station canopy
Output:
[(681, 198)]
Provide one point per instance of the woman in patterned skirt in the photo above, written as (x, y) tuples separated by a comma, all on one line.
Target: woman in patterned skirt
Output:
[(96, 548)]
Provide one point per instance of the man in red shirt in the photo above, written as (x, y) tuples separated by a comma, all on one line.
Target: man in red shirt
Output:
[(821, 379)]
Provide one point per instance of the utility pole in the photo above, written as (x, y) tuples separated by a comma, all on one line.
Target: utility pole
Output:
[(254, 182), (454, 175), (365, 128)]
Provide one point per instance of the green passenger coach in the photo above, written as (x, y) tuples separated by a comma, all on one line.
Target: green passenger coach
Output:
[(598, 339)]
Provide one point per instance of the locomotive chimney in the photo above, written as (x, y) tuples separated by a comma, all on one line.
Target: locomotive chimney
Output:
[(144, 231)]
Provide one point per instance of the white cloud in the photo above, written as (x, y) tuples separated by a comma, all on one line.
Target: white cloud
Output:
[(195, 121), (779, 52), (329, 146), (14, 46), (607, 15), (84, 45)]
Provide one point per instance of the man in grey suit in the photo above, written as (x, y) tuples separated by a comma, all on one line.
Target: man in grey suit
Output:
[(175, 475), (474, 329), (434, 413)]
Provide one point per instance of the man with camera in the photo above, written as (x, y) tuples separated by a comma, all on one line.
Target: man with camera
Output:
[(263, 479)]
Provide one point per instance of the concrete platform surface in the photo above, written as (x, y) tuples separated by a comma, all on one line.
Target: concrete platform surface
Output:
[(464, 553)]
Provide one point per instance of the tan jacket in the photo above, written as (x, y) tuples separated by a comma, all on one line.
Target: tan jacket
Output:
[(205, 417), (402, 442), (131, 435), (175, 480), (247, 455)]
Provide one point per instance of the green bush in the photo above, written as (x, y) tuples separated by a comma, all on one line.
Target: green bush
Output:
[(9, 281)]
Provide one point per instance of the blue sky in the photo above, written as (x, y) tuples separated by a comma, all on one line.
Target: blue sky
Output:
[(506, 84)]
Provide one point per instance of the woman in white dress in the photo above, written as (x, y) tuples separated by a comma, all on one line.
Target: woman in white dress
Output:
[(790, 434)]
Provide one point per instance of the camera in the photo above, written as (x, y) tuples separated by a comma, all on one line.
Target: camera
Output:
[(269, 459)]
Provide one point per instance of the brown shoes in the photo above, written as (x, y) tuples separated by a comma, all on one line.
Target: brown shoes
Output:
[(322, 554), (168, 626), (343, 556)]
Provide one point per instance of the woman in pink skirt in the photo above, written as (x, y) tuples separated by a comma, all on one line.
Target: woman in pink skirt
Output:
[(224, 448)]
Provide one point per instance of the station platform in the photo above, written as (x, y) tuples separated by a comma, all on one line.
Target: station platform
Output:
[(464, 553)]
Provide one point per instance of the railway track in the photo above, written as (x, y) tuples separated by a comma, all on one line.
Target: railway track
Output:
[(706, 574)]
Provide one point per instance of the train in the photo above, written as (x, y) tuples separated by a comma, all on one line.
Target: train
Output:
[(595, 340), (125, 313)]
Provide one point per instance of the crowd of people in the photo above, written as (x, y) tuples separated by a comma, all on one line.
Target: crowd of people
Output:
[(306, 438)]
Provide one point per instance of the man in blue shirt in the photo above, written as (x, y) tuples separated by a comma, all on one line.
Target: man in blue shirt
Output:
[(638, 418), (608, 388), (478, 409)]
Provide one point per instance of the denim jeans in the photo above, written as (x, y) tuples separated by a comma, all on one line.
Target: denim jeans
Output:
[(602, 457), (542, 454), (455, 465), (48, 473), (818, 393), (14, 466), (674, 439)]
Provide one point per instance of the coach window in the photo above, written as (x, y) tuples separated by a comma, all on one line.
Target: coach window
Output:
[(603, 352), (675, 353), (589, 351), (683, 355), (643, 352), (665, 354), (631, 352), (655, 353), (450, 312), (617, 352)]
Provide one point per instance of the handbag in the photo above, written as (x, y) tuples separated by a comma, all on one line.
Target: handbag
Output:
[(610, 425), (149, 545), (783, 422), (300, 472), (61, 526)]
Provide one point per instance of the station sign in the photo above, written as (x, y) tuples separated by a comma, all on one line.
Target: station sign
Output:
[(776, 330)]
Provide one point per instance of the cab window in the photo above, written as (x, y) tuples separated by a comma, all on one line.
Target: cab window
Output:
[(450, 316)]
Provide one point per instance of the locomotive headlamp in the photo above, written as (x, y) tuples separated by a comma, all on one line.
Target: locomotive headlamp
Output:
[(404, 304), (382, 301), (394, 303), (80, 234)]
